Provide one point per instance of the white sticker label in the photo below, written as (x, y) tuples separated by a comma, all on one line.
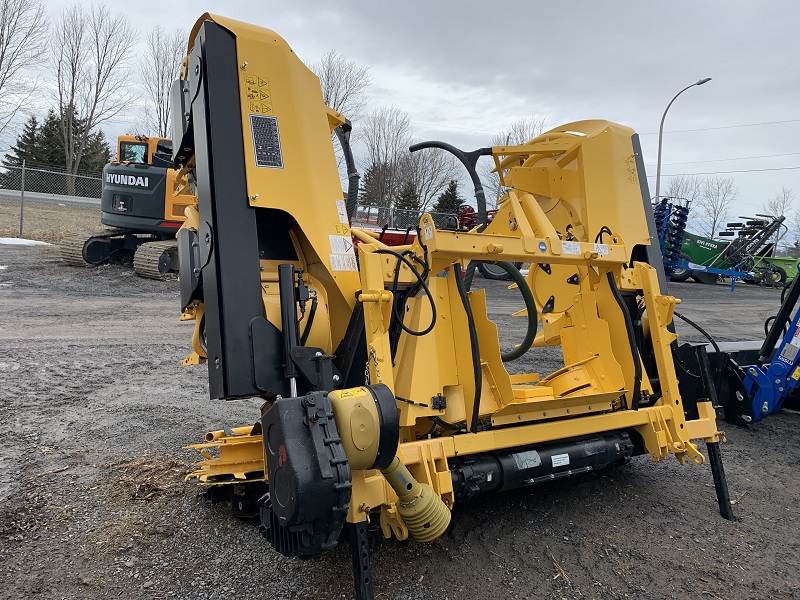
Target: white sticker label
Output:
[(571, 247), (601, 249), (795, 341), (341, 244), (527, 460), (343, 262), (342, 210), (428, 232), (560, 460)]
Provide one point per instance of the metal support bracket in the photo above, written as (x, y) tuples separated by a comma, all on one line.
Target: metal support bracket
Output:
[(362, 567)]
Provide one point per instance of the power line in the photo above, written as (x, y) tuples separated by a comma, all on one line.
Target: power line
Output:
[(721, 172), (439, 125), (693, 162), (722, 127)]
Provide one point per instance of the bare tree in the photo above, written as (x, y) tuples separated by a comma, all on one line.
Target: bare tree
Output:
[(23, 33), (684, 187), (344, 88), (780, 204), (344, 83), (91, 48), (386, 135), (429, 172), (718, 193), (159, 68), (519, 132)]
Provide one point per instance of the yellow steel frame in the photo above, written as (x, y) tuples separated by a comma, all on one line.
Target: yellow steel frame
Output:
[(564, 187)]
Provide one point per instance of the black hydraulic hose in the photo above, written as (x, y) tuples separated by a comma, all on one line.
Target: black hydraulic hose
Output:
[(530, 305), (422, 284), (637, 364), (705, 334), (309, 322), (470, 275), (343, 133), (473, 342), (469, 160)]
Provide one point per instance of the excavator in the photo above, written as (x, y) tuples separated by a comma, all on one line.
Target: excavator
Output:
[(387, 398), (138, 207)]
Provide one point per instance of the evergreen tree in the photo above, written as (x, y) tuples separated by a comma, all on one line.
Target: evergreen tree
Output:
[(51, 143), (449, 200), (408, 198), (41, 146), (373, 186), (26, 146), (97, 153)]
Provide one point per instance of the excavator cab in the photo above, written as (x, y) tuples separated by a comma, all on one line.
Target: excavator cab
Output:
[(139, 202)]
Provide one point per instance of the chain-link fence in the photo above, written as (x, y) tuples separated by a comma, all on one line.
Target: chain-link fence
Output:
[(47, 204), (395, 218)]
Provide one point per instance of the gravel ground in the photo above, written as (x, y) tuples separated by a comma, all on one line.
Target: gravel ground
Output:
[(96, 410)]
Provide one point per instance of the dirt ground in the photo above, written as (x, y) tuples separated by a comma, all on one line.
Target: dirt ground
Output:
[(96, 409)]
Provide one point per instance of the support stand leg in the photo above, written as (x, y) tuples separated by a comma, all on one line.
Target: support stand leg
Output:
[(720, 483), (714, 455), (362, 568)]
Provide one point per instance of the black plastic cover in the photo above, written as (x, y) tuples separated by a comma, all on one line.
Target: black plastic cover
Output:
[(309, 476)]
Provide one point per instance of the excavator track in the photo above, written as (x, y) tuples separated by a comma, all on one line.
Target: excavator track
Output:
[(155, 260), (80, 250)]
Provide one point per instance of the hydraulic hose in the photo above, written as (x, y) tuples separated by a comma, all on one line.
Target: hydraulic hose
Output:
[(473, 342), (343, 133), (637, 364), (469, 160), (530, 305)]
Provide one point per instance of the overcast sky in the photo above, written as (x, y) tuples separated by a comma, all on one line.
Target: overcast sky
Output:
[(465, 70)]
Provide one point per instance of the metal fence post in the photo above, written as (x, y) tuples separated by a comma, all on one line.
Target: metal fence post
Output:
[(22, 198)]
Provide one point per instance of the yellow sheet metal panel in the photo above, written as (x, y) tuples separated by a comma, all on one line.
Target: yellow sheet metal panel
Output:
[(289, 157)]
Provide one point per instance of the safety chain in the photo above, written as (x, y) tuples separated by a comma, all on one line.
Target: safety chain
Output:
[(374, 358)]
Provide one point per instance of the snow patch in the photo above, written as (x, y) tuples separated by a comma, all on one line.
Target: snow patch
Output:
[(22, 242)]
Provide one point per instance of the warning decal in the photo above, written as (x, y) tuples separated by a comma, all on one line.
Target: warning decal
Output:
[(343, 262), (571, 247), (266, 141), (259, 96), (341, 208), (341, 244)]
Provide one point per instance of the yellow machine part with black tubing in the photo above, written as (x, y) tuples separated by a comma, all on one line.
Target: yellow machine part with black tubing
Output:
[(385, 393)]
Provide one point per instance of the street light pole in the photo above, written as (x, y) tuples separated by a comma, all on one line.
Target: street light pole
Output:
[(661, 133)]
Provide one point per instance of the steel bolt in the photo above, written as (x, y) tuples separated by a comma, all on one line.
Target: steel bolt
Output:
[(336, 378)]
